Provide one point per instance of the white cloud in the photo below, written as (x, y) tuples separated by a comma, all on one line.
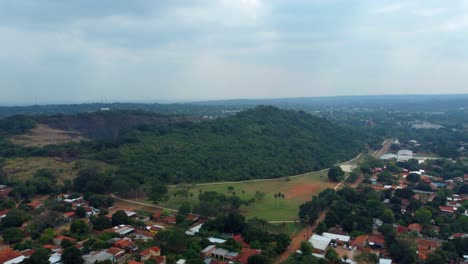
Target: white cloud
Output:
[(388, 9)]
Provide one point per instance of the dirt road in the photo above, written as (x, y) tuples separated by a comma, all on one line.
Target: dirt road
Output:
[(304, 234)]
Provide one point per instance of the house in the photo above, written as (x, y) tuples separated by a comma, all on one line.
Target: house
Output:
[(154, 229), (340, 239), (194, 230), (224, 254), (416, 228), (99, 256), (448, 209), (170, 220), (59, 239), (10, 256), (149, 253), (55, 258), (426, 246), (70, 216), (319, 243), (121, 229), (3, 214), (360, 242), (4, 190), (134, 262), (156, 216), (52, 248), (126, 244), (118, 253), (206, 252), (376, 240), (35, 205), (385, 261)]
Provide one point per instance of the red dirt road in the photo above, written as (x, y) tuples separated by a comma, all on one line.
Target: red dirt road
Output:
[(304, 234)]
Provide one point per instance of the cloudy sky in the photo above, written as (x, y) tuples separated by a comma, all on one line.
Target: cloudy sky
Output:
[(120, 50)]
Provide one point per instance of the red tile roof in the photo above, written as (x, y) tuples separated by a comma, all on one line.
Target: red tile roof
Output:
[(415, 227), (149, 250), (69, 214), (8, 254), (447, 209), (134, 262), (35, 204)]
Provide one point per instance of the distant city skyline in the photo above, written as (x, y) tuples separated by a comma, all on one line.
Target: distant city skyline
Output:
[(54, 51)]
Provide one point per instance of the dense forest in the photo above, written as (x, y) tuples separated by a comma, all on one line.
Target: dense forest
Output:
[(263, 142), (260, 143)]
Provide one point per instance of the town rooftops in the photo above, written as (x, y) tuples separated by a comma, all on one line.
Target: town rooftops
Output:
[(97, 256), (319, 242), (121, 229)]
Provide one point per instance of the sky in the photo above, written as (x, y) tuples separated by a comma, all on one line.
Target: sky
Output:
[(182, 50)]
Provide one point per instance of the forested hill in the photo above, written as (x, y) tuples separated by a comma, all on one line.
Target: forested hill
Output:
[(259, 143)]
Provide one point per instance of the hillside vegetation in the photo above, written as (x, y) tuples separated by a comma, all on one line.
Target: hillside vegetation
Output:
[(264, 142)]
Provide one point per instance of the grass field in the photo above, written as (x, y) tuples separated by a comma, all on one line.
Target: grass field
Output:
[(20, 169), (296, 190), (43, 135)]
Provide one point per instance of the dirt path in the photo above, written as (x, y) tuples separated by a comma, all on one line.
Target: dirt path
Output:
[(141, 205), (304, 234), (271, 179)]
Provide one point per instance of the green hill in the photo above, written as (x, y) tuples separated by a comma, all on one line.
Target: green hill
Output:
[(264, 142)]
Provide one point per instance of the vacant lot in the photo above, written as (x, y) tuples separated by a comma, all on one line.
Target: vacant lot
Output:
[(20, 169), (296, 190), (43, 135)]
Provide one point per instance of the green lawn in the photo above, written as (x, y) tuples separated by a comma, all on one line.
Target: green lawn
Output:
[(296, 189)]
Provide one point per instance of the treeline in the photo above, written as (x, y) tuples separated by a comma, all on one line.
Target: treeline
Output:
[(260, 143)]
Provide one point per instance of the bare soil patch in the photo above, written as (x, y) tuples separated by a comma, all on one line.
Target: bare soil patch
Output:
[(43, 135)]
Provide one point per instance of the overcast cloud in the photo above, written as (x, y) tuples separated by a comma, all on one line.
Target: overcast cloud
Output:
[(120, 50)]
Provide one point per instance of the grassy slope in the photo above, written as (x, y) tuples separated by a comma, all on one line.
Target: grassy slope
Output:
[(297, 190), (20, 169)]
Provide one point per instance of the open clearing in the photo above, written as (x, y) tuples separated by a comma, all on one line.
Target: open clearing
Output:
[(296, 190), (43, 135), (21, 169)]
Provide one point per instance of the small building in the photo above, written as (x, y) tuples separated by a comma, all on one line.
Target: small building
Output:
[(35, 205), (385, 261), (415, 228), (376, 241), (93, 257), (118, 253), (70, 216), (149, 253), (10, 256), (194, 230), (126, 244), (121, 229), (4, 190), (59, 239), (340, 239), (3, 214), (319, 243)]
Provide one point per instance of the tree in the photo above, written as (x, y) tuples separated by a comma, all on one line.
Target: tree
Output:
[(259, 259), (15, 218), (434, 258), (423, 216), (79, 227), (306, 248), (12, 235), (40, 256), (413, 177), (80, 211), (331, 255), (120, 218), (184, 209), (335, 174), (367, 258), (158, 191), (72, 255)]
